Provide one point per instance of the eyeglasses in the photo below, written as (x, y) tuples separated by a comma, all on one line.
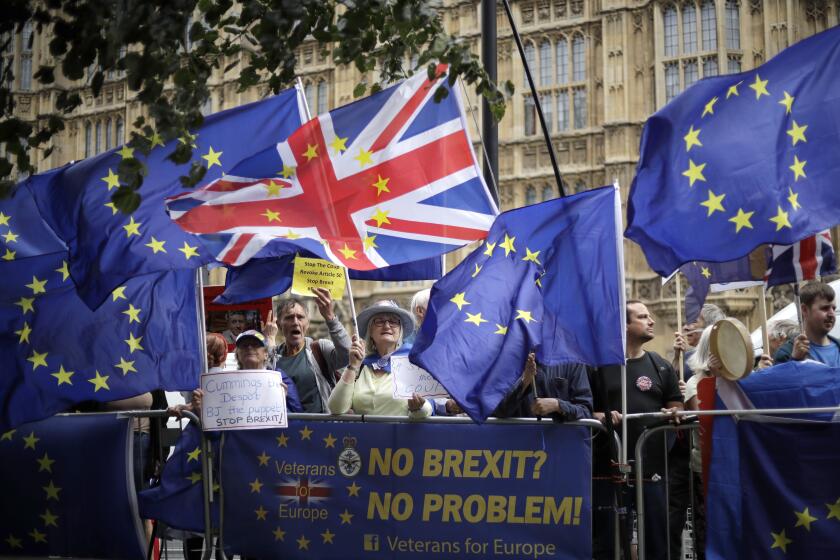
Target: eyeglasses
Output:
[(382, 321)]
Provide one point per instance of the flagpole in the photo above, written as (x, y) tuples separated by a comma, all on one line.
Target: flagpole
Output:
[(765, 336), (679, 324), (346, 270), (619, 245), (798, 307)]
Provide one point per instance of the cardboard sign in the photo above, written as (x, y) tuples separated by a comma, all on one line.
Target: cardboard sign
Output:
[(410, 379), (243, 400), (317, 273)]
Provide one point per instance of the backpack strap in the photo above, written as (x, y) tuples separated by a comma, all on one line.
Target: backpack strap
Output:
[(322, 362)]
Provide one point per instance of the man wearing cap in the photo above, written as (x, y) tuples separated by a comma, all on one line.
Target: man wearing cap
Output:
[(312, 364), (252, 353)]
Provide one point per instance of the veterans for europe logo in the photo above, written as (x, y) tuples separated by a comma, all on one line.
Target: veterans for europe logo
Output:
[(335, 490)]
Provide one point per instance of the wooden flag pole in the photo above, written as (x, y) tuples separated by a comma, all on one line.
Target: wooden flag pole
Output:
[(798, 307), (765, 335), (681, 360)]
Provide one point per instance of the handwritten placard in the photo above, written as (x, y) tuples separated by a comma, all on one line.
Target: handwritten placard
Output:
[(317, 273), (243, 400), (410, 379)]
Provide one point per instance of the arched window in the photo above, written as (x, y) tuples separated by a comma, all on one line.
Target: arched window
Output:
[(579, 101), (689, 30), (672, 80), (108, 134), (530, 116), (710, 67), (88, 140), (322, 96), (689, 73), (547, 192), (530, 59), (708, 20), (578, 59), (545, 63), (563, 111), (207, 106), (733, 26), (669, 20), (547, 102), (530, 195), (98, 138), (308, 93), (562, 52), (120, 132), (26, 57)]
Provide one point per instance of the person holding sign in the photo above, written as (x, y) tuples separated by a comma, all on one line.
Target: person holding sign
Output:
[(366, 386)]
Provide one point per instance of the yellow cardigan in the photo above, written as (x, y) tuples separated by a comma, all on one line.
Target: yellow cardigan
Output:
[(372, 394)]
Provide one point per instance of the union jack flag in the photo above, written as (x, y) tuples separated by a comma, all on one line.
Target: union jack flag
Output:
[(806, 260), (304, 491), (385, 180)]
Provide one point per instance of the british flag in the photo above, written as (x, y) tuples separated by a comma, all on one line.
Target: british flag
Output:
[(385, 180), (806, 260)]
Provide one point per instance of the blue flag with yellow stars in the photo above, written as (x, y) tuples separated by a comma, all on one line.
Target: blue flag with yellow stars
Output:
[(740, 160), (68, 490), (548, 278), (107, 247), (701, 275), (56, 352), (773, 488)]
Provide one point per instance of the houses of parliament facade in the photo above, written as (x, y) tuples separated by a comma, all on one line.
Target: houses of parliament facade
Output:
[(601, 68)]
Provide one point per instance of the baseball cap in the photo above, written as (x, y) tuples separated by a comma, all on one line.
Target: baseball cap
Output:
[(251, 334)]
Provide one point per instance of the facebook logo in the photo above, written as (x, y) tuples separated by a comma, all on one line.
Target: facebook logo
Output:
[(371, 543)]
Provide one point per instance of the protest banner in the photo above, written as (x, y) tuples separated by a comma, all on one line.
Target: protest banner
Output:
[(317, 273), (410, 379), (243, 400), (393, 490)]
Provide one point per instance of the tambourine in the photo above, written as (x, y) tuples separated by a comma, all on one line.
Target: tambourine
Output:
[(730, 342)]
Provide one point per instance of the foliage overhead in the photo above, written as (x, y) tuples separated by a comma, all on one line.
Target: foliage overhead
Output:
[(168, 49)]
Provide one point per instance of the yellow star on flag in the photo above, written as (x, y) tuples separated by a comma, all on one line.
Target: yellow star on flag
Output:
[(692, 138), (507, 245), (189, 251), (524, 315), (10, 237), (833, 509), (288, 171), (353, 489), (787, 102), (709, 109), (303, 543), (212, 158), (759, 86), (256, 486), (100, 382), (279, 534), (38, 536), (781, 219), (282, 440), (798, 168), (52, 491), (263, 459), (126, 152), (4, 219), (194, 454), (793, 199), (37, 286), (38, 359), (733, 89), (500, 329), (194, 477), (63, 376), (804, 519), (780, 540), (125, 366), (329, 441), (381, 217), (271, 215), (132, 227), (489, 248), (133, 313), (45, 463), (797, 133), (713, 203), (291, 235), (305, 433), (9, 255), (742, 220), (118, 293), (460, 300), (112, 206), (26, 304), (347, 252), (475, 319), (155, 140), (188, 138), (112, 180), (156, 246), (370, 242), (327, 536), (529, 256), (30, 441), (311, 152), (694, 172), (133, 343), (49, 519), (273, 189), (7, 436), (346, 517), (64, 270), (14, 542), (381, 184), (364, 157), (339, 144), (24, 333), (477, 270)]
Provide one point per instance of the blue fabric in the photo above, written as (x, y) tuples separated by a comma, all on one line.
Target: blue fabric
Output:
[(751, 151), (828, 354), (56, 352), (293, 403), (103, 254), (477, 351), (701, 275), (69, 490)]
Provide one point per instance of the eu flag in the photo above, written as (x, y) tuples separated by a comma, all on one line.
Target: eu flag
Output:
[(740, 160), (701, 275), (107, 247), (68, 490), (56, 352), (548, 278)]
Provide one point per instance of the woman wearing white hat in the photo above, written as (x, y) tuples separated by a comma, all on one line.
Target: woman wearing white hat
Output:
[(366, 386)]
